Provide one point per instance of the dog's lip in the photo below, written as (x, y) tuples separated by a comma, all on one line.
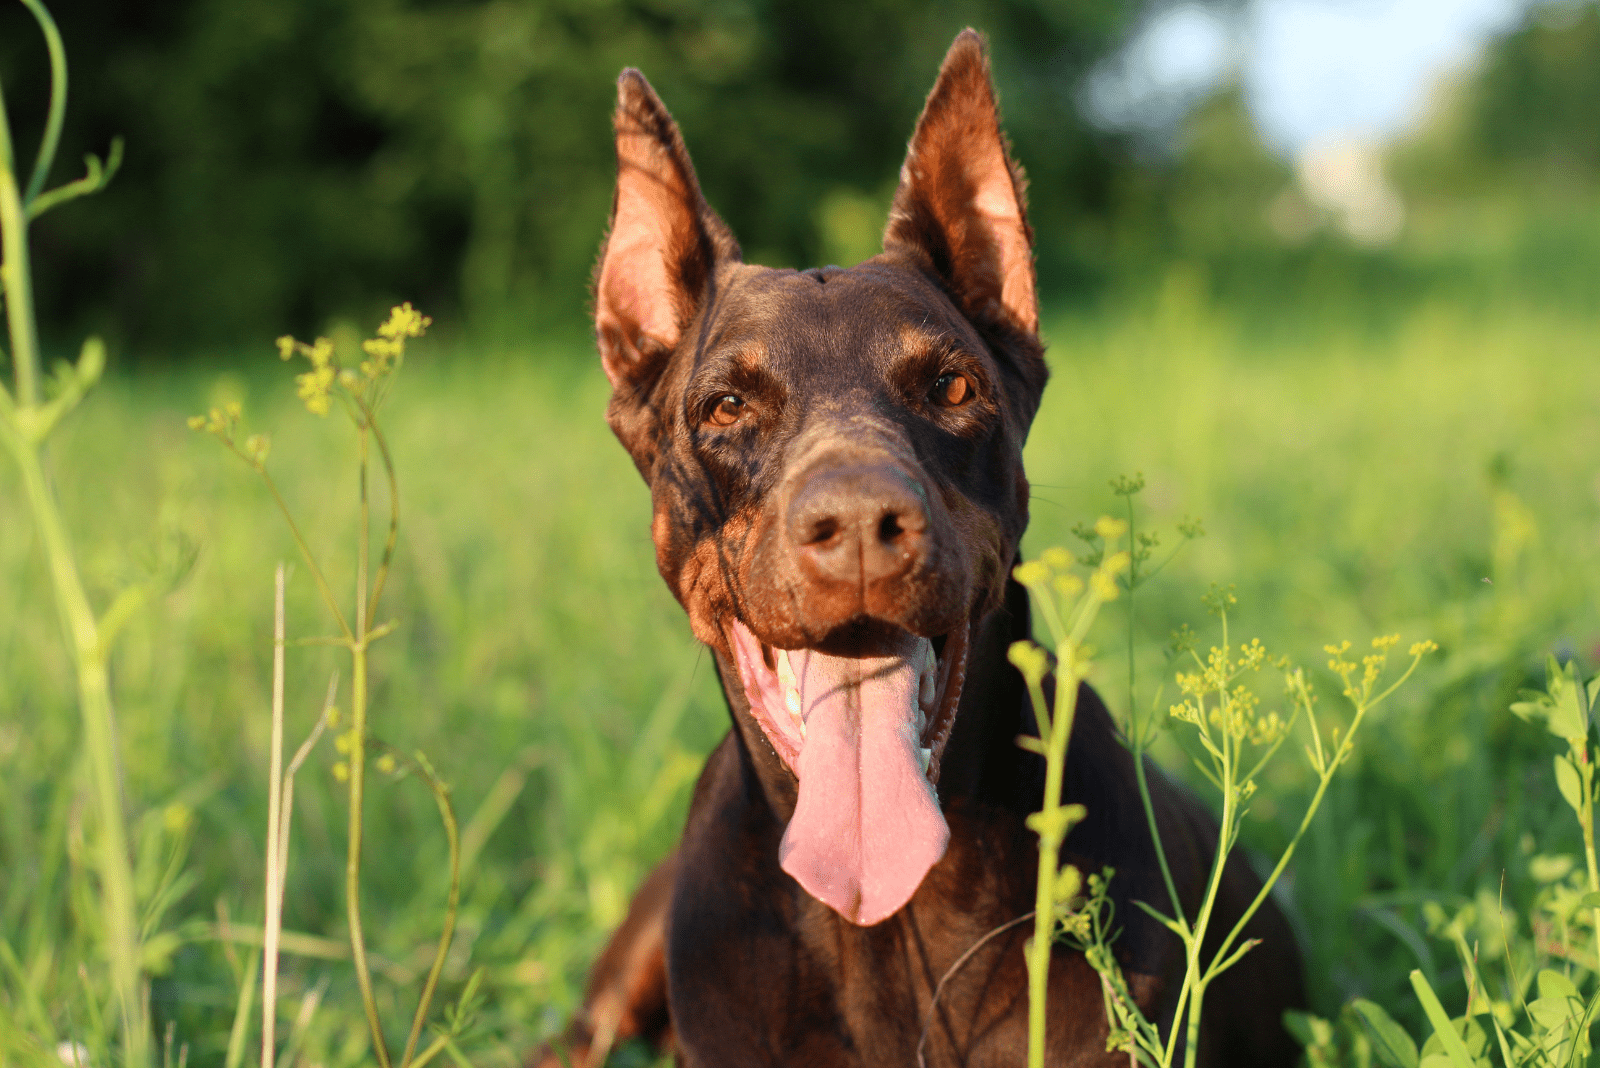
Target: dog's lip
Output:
[(937, 717)]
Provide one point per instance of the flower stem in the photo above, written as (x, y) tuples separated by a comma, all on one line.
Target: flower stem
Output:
[(441, 796), (358, 761), (1050, 837), (15, 277), (78, 620), (274, 890)]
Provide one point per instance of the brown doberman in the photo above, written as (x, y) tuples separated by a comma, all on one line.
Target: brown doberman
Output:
[(835, 462)]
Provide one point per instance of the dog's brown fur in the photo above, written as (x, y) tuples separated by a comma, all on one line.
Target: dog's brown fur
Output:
[(746, 396)]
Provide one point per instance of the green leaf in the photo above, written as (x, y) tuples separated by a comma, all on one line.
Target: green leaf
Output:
[(1443, 1026), (1547, 868), (1590, 900), (1552, 984), (1505, 1048), (1532, 710), (1389, 1040), (1535, 706), (1569, 783), (1309, 1030), (1569, 719), (1553, 1014), (1473, 1037)]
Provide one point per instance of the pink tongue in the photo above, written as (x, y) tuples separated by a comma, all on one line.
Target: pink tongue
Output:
[(867, 826)]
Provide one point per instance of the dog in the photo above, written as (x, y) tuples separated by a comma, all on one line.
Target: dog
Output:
[(834, 459)]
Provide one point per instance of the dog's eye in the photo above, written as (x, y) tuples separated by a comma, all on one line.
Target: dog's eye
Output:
[(952, 390), (728, 410)]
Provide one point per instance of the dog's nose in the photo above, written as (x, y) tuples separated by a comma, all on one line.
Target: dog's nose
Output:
[(859, 523)]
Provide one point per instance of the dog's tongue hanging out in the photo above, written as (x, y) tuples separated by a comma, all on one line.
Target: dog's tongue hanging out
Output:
[(867, 825)]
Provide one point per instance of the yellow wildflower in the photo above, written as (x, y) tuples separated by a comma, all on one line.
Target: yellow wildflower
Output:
[(1056, 558), (1110, 529)]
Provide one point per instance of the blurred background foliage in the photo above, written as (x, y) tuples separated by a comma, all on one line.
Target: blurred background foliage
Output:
[(297, 161)]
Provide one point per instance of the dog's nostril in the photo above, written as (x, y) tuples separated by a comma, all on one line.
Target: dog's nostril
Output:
[(823, 531), (889, 528)]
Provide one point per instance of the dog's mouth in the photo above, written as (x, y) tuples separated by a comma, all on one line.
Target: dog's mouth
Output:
[(862, 723)]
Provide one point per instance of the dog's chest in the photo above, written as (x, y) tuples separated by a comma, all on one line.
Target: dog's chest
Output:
[(763, 975)]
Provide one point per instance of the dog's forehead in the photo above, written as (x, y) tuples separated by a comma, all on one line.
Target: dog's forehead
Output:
[(834, 320)]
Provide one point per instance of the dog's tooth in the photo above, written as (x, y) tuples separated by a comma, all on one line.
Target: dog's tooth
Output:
[(927, 692), (786, 680), (924, 757), (791, 691)]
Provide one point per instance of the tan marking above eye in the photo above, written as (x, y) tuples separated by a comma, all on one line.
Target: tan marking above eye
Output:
[(952, 390), (728, 411)]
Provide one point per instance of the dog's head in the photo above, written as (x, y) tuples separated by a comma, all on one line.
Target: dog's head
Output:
[(835, 460)]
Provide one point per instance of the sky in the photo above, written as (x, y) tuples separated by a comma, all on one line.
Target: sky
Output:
[(1313, 71)]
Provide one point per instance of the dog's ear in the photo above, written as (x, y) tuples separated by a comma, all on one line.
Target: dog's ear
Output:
[(961, 207), (663, 245)]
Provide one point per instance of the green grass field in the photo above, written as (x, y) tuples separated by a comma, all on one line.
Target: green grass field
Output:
[(1440, 478)]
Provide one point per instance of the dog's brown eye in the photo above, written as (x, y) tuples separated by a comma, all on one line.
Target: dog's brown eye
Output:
[(952, 390), (727, 412)]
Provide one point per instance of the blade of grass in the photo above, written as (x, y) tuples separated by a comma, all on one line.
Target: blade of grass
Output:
[(1454, 1048), (275, 874), (241, 1013)]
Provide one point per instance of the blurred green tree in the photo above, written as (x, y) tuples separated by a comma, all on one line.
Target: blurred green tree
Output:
[(292, 160), (1528, 115), (1537, 102)]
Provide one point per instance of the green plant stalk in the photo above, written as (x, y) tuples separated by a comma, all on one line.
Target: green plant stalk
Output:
[(58, 99), (1139, 738), (1052, 831), (16, 279), (394, 510), (1142, 779), (441, 796), (1133, 582), (77, 617), (1586, 820), (1044, 912), (1196, 978), (358, 759)]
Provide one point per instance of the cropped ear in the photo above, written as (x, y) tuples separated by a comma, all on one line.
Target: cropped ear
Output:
[(663, 244), (961, 205)]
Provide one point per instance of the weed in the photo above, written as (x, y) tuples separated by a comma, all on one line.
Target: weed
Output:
[(1236, 740), (360, 386), (26, 420), (1519, 970)]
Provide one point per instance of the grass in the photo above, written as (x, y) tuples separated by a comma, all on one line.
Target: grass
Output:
[(1350, 484)]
